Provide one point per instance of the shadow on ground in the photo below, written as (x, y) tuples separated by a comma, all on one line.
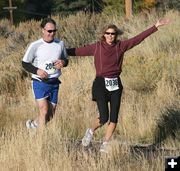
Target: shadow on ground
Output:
[(168, 126)]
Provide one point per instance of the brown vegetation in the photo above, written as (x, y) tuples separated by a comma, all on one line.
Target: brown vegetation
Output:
[(150, 106)]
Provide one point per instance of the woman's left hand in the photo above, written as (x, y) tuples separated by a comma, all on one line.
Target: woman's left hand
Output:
[(162, 22)]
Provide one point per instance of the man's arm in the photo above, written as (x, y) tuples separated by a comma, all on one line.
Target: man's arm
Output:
[(64, 58), (63, 61), (29, 67)]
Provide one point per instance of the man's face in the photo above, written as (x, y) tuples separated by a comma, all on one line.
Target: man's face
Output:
[(49, 32)]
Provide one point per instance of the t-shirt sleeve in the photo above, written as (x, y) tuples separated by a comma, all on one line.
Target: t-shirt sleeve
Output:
[(29, 54), (64, 55)]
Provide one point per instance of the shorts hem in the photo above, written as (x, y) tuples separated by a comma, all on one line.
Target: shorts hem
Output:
[(42, 98), (54, 103)]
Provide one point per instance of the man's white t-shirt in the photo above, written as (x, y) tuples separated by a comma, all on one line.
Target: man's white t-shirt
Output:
[(43, 55)]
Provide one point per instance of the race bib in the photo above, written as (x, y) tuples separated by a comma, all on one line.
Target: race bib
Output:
[(111, 84), (48, 66)]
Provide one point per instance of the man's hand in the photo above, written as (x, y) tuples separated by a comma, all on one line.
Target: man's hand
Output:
[(59, 64), (42, 74), (162, 22)]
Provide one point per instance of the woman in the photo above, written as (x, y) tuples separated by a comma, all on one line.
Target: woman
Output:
[(107, 88)]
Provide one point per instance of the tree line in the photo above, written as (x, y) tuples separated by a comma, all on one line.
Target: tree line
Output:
[(33, 9)]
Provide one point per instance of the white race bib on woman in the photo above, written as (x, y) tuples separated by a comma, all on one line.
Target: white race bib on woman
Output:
[(111, 84)]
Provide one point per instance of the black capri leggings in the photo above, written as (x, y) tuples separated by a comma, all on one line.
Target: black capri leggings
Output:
[(102, 97)]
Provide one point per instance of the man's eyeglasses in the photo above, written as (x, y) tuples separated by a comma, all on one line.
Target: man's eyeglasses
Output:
[(109, 33), (50, 31)]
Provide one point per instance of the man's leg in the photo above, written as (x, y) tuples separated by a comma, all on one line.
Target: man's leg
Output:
[(49, 115), (43, 111), (51, 111), (52, 102)]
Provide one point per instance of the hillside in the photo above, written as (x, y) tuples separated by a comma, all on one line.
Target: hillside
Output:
[(150, 112)]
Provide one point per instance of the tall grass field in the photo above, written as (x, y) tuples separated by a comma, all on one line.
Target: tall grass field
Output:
[(150, 109)]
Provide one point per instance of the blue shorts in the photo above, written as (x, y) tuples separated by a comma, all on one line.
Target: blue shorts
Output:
[(43, 90)]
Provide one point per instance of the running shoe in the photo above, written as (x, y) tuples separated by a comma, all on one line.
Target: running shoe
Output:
[(30, 124), (87, 137), (104, 147)]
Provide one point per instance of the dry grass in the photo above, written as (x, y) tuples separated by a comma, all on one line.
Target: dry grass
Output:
[(149, 111)]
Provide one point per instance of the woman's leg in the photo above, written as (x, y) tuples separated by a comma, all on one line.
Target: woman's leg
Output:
[(99, 121), (115, 101), (109, 131), (103, 115), (96, 124)]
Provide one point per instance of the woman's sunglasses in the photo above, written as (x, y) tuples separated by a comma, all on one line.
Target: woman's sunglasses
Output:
[(110, 33)]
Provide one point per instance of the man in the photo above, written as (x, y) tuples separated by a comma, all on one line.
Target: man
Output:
[(44, 59)]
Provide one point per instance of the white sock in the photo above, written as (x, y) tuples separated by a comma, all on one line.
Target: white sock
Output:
[(35, 123), (91, 131)]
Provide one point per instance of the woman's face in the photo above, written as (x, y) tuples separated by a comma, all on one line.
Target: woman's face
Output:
[(110, 36)]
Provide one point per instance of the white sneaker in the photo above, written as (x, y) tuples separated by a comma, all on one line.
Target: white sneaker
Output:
[(30, 124), (87, 137), (104, 147)]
